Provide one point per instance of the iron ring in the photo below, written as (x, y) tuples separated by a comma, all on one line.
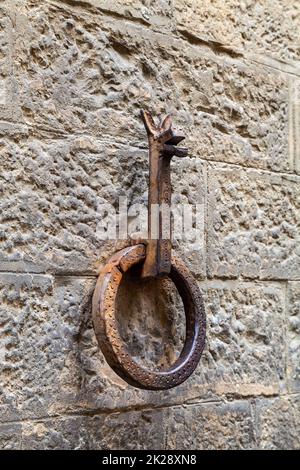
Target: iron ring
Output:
[(106, 326)]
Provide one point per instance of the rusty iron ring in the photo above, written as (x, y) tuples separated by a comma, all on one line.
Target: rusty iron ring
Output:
[(109, 338)]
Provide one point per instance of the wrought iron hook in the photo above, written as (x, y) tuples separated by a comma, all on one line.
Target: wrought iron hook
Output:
[(162, 147), (155, 260)]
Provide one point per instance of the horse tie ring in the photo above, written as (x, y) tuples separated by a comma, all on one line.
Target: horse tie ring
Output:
[(155, 260)]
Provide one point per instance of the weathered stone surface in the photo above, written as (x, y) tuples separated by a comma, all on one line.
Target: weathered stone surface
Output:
[(23, 308), (73, 77), (231, 110), (293, 335), (152, 323), (52, 194), (253, 224), (294, 123), (157, 15), (51, 362), (211, 426), (129, 430), (10, 436), (268, 28), (279, 423), (245, 350), (51, 197), (50, 359), (9, 110), (189, 186)]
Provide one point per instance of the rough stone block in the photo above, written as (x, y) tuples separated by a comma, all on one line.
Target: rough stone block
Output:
[(151, 319), (23, 306), (118, 431), (10, 436), (50, 360), (269, 28), (293, 335), (9, 110), (279, 423), (52, 197), (294, 123), (189, 189), (136, 430), (90, 73), (253, 224), (157, 15), (52, 193), (73, 78), (245, 348), (211, 426)]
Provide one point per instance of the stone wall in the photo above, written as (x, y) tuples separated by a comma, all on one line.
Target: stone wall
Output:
[(73, 76)]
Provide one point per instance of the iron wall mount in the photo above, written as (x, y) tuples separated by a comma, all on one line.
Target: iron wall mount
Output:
[(155, 260)]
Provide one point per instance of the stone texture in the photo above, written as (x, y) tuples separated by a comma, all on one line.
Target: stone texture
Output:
[(73, 77), (51, 363), (50, 359), (152, 322), (245, 350), (253, 227), (279, 423), (189, 187), (293, 335), (233, 111), (266, 27), (10, 436), (52, 192), (129, 430), (211, 426), (294, 123), (9, 109), (157, 15)]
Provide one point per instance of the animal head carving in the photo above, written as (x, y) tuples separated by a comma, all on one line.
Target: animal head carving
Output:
[(163, 131)]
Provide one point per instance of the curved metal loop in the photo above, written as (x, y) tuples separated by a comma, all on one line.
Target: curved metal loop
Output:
[(109, 338)]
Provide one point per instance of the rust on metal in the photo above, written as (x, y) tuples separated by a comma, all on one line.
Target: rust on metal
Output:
[(155, 260), (110, 340), (162, 147)]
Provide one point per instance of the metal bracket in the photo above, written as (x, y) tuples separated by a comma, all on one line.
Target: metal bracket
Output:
[(162, 147), (154, 260)]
